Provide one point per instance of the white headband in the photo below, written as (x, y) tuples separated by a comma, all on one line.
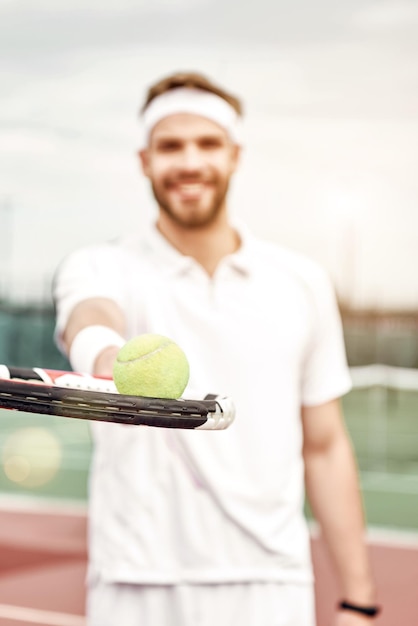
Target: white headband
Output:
[(195, 101)]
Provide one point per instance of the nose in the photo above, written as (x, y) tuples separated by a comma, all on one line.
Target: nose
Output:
[(191, 158)]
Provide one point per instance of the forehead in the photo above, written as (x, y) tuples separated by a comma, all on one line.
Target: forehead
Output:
[(186, 126)]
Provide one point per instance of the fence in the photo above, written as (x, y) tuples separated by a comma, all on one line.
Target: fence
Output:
[(26, 337)]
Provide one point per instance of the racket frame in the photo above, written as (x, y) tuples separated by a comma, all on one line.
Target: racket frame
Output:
[(79, 396)]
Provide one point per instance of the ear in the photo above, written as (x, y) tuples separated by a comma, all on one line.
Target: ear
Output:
[(144, 162), (236, 156)]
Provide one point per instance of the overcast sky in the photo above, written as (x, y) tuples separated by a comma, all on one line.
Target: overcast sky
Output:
[(331, 98)]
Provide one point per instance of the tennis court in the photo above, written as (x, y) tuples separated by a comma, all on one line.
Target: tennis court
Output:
[(43, 565)]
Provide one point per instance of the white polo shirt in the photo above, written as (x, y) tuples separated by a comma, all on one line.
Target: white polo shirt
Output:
[(171, 506)]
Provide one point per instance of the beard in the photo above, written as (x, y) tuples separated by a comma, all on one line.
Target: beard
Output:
[(192, 214)]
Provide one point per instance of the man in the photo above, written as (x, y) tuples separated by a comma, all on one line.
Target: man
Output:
[(198, 528)]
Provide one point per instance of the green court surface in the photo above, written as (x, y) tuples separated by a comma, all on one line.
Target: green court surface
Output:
[(383, 425)]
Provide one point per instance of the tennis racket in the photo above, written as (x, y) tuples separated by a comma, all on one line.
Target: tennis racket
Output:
[(70, 394)]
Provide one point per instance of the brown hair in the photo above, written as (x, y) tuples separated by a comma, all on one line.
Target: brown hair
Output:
[(190, 80)]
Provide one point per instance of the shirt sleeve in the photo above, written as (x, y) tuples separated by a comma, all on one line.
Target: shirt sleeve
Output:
[(85, 273), (326, 374)]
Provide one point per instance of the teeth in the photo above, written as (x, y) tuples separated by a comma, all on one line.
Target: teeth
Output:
[(190, 187)]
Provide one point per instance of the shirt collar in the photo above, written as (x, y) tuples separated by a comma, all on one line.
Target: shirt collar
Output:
[(174, 262), (241, 260)]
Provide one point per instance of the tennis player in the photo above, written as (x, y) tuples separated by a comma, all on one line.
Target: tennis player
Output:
[(190, 528)]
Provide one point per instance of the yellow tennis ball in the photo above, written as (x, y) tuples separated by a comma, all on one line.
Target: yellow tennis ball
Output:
[(151, 365)]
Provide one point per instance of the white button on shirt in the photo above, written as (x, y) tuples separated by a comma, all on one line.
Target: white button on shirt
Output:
[(170, 506)]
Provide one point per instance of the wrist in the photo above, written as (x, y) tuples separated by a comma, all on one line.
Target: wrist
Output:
[(365, 610), (359, 588), (89, 343)]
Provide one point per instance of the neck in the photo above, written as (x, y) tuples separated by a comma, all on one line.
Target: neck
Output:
[(208, 245)]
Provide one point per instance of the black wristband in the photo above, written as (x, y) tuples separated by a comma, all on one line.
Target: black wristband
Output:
[(367, 611)]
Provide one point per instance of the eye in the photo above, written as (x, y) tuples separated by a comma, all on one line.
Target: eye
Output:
[(168, 145), (211, 143)]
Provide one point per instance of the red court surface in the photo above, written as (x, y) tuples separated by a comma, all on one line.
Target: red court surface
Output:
[(43, 565)]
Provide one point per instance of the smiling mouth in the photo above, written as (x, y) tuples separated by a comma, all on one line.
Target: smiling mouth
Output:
[(189, 190)]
